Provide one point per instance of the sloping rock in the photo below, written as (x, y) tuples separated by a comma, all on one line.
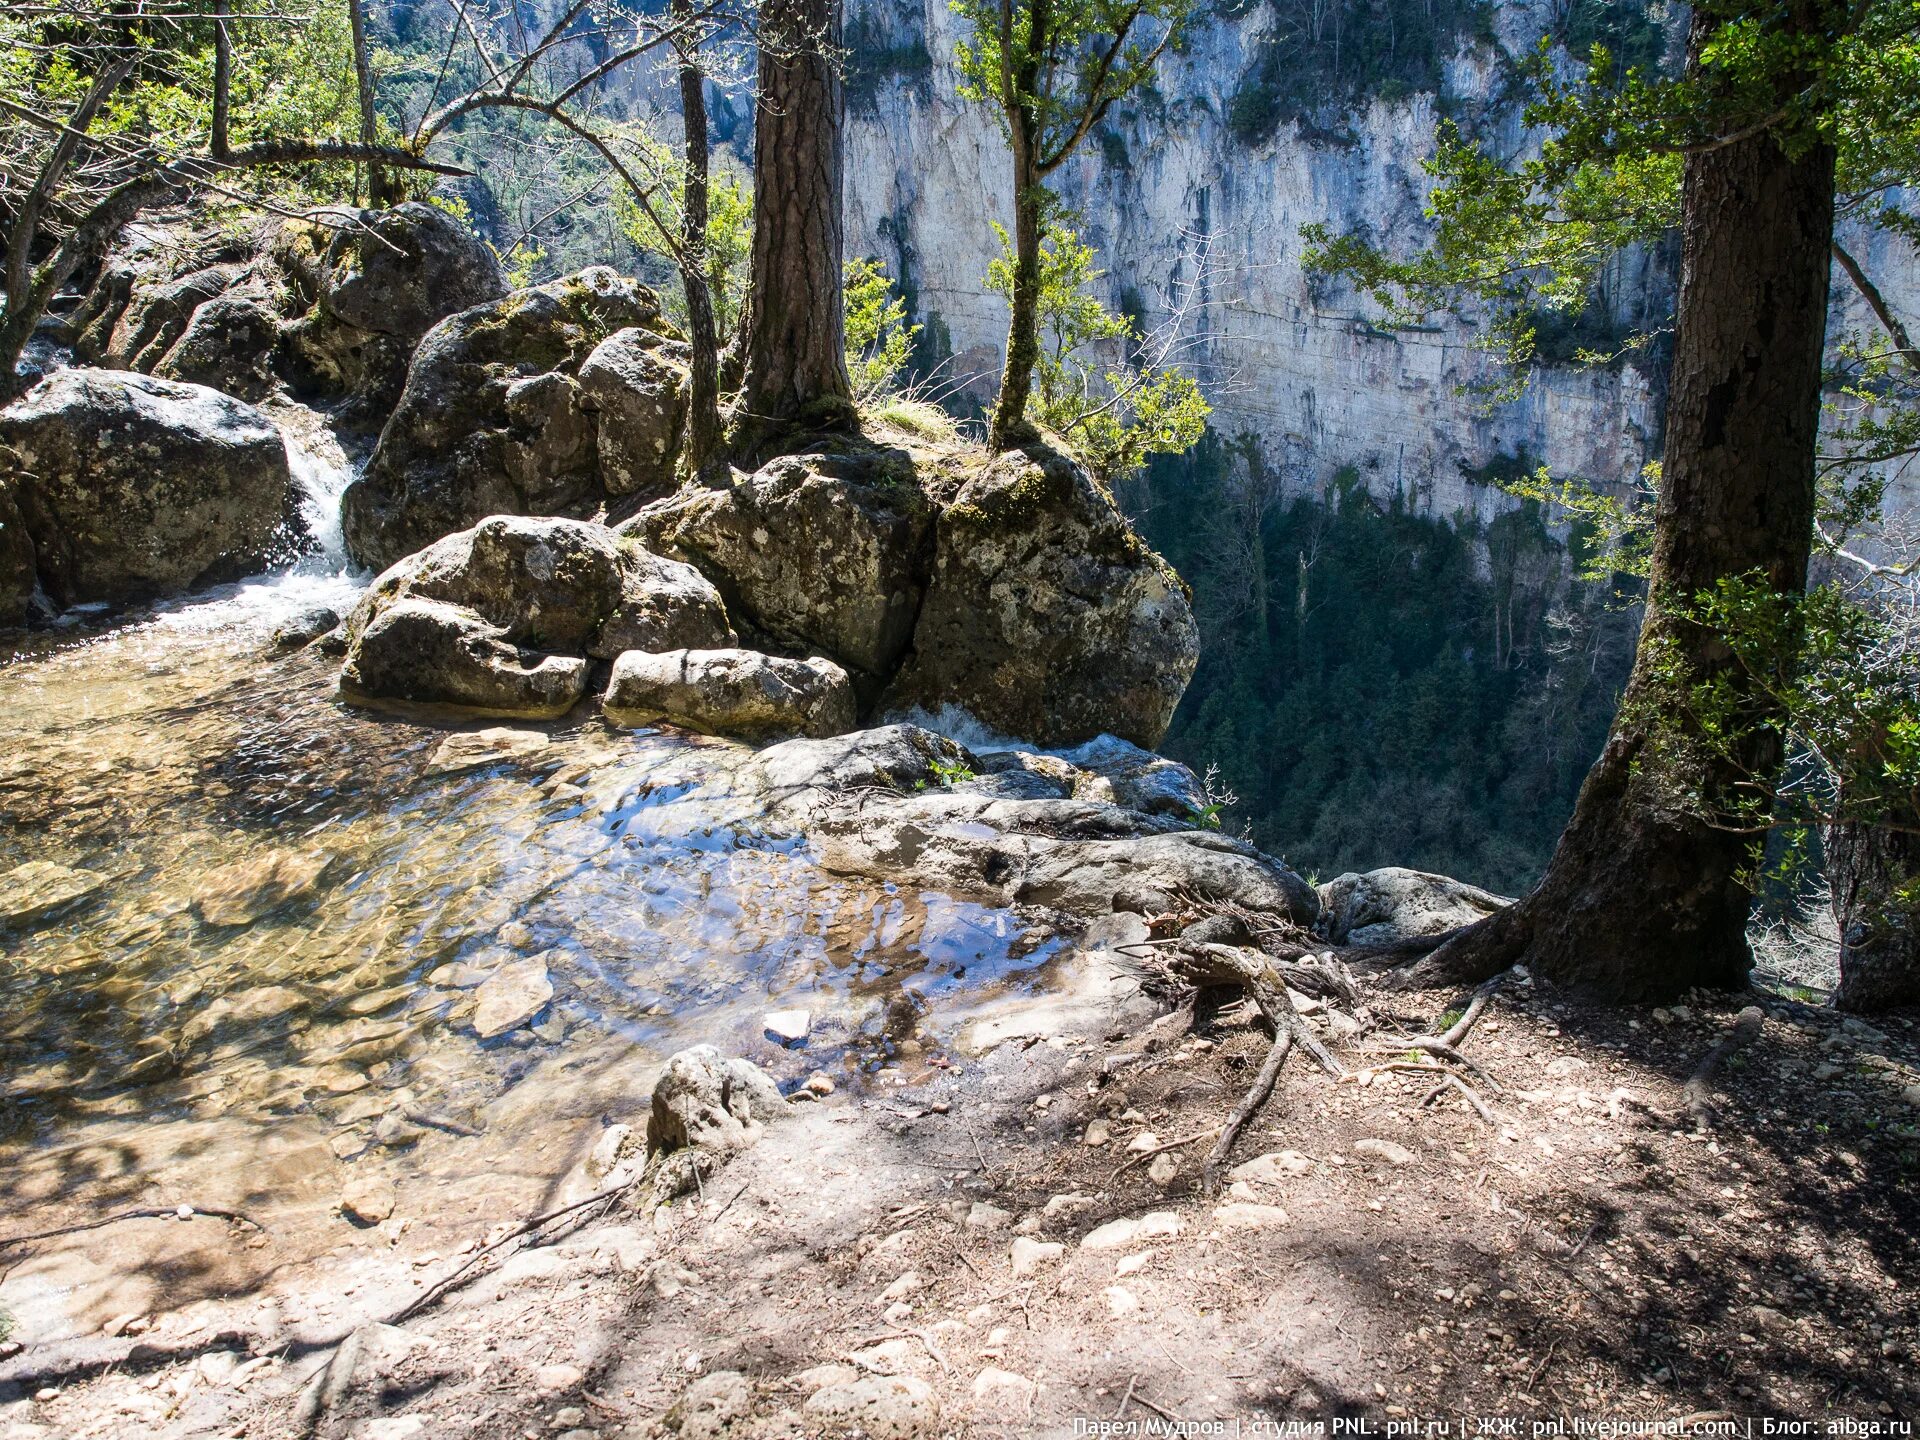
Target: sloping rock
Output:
[(814, 552), (1392, 904), (392, 272), (491, 421), (240, 893), (1085, 857), (900, 757), (500, 618), (712, 1102), (133, 488), (40, 888), (637, 393), (511, 996), (730, 692), (1046, 616), (1121, 771)]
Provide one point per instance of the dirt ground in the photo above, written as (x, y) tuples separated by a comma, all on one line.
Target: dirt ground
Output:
[(884, 1262)]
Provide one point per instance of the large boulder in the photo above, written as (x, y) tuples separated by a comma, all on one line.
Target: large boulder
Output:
[(1385, 906), (330, 303), (493, 419), (1046, 616), (730, 692), (707, 1101), (17, 578), (814, 552), (636, 391), (501, 618), (132, 487)]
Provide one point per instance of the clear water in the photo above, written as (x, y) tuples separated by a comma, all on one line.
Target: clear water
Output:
[(146, 1053)]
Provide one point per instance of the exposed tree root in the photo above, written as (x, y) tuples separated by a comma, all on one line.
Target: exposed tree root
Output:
[(177, 1212), (1747, 1026), (1249, 1104)]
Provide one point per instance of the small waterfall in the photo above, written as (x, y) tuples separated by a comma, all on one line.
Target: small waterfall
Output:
[(323, 479)]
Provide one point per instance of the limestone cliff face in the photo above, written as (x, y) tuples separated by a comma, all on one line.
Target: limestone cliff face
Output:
[(1306, 373)]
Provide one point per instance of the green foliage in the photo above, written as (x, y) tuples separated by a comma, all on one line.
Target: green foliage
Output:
[(1055, 67), (1832, 677), (729, 221), (1381, 687), (879, 339), (1312, 57), (1112, 415)]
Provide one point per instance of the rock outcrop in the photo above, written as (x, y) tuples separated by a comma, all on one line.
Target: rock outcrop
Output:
[(495, 418), (957, 830), (329, 305), (730, 692), (130, 488), (1046, 616), (1012, 589), (1384, 906), (502, 618)]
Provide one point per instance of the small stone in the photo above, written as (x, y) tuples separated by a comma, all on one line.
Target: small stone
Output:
[(40, 887), (999, 1390), (1043, 1102), (1099, 1132), (788, 1027), (1164, 1169), (1133, 1264), (368, 1199), (1146, 1140), (485, 747), (1118, 1234), (902, 1287), (1911, 1095), (1383, 1150), (820, 1084), (1238, 1215), (891, 1406), (1065, 1204), (987, 1217), (898, 1313), (1826, 1070), (554, 1378), (511, 996), (1030, 1255), (1120, 1301)]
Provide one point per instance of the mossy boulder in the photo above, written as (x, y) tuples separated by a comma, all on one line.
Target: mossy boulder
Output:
[(131, 488), (491, 421)]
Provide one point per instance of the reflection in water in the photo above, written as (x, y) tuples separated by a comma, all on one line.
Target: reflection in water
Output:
[(298, 917)]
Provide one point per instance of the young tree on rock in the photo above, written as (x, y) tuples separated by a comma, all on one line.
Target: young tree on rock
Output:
[(1051, 69), (104, 114), (1648, 891), (796, 372)]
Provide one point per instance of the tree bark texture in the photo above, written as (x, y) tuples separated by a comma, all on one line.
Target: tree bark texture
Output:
[(1009, 426), (703, 391), (1874, 871), (796, 345)]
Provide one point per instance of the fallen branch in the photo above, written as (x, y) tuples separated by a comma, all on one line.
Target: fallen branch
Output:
[(1137, 1156), (176, 1212), (1747, 1026)]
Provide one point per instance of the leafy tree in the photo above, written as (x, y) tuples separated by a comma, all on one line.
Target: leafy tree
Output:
[(1113, 415), (1051, 69), (105, 113), (879, 339), (1644, 895)]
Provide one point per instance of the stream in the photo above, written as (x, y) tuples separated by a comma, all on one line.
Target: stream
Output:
[(289, 915)]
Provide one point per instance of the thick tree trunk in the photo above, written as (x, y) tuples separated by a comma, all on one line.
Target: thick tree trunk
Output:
[(703, 397), (1644, 894), (219, 144), (1009, 426), (1874, 872), (796, 344)]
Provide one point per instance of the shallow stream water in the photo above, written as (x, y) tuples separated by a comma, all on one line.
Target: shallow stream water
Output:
[(176, 1036)]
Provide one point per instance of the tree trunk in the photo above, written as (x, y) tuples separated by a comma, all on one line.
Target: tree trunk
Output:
[(703, 397), (1009, 426), (1644, 896), (1874, 871), (218, 142), (379, 192), (796, 345)]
